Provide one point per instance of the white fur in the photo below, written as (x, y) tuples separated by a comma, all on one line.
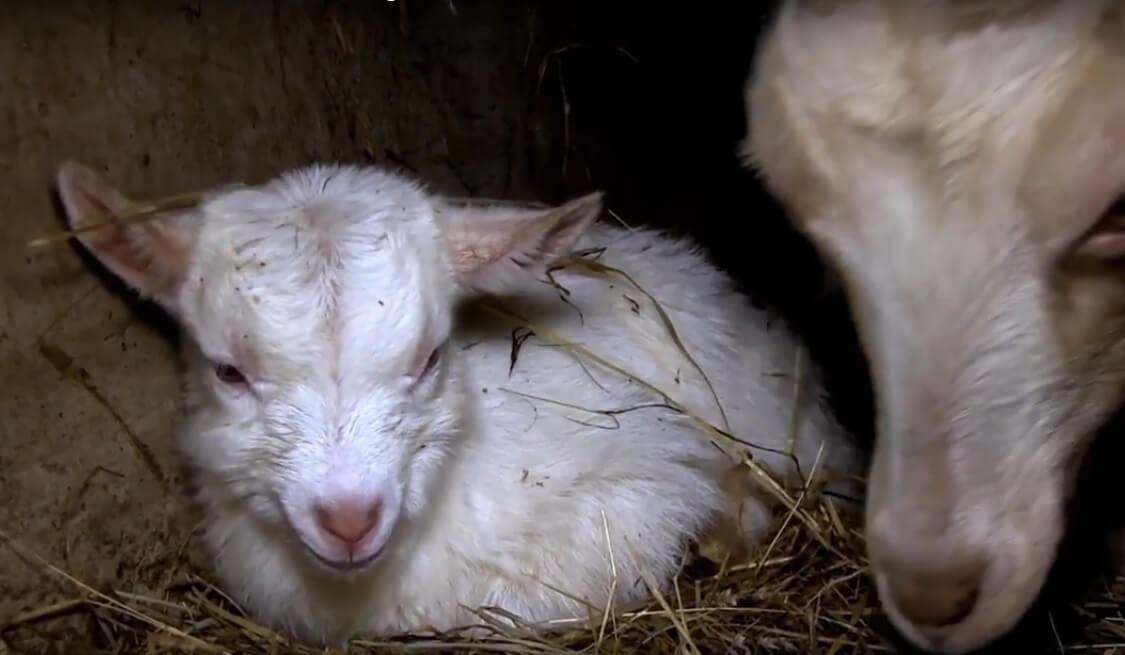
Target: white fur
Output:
[(954, 162), (329, 286)]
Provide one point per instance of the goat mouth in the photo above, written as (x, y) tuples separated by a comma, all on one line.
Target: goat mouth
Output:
[(346, 566)]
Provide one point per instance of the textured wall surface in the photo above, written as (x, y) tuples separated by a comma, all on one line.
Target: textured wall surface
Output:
[(164, 97)]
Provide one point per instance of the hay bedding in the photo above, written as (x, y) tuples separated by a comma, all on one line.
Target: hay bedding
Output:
[(800, 598), (795, 595), (805, 590)]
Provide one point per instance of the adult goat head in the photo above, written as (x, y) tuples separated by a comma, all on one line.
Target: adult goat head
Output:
[(961, 166)]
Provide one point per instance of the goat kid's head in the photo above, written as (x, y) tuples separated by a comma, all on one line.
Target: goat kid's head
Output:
[(323, 396)]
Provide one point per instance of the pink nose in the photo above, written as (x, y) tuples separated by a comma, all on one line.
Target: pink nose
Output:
[(349, 519)]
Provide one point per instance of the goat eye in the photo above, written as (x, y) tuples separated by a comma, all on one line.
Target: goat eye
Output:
[(1106, 240), (1117, 209), (229, 374), (431, 362)]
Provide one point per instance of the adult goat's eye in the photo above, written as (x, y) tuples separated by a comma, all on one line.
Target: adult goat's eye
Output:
[(229, 374), (1117, 209), (1106, 240)]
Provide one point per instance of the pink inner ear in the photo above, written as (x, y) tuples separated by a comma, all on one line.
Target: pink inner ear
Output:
[(480, 245), (94, 210), (148, 256), (113, 242)]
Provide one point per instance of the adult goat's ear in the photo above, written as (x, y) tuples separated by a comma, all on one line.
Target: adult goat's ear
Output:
[(150, 256), (492, 248)]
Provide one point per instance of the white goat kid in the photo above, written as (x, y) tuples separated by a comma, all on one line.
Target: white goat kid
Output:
[(369, 457), (961, 165)]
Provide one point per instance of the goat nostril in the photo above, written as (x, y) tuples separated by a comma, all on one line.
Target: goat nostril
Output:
[(349, 520), (934, 599)]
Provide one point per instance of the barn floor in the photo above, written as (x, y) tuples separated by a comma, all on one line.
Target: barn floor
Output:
[(171, 96)]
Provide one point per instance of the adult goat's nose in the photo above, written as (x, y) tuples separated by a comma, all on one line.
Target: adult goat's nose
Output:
[(349, 519), (935, 594)]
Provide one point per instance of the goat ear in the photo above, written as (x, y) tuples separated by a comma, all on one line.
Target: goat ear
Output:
[(151, 256), (491, 248)]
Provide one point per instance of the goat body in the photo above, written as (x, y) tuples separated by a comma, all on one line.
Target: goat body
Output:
[(379, 443)]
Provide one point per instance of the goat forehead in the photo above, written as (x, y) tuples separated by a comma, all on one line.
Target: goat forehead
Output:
[(987, 92), (921, 70), (311, 290), (978, 116), (337, 324)]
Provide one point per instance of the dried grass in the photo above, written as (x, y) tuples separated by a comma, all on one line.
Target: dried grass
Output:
[(799, 598), (802, 598)]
